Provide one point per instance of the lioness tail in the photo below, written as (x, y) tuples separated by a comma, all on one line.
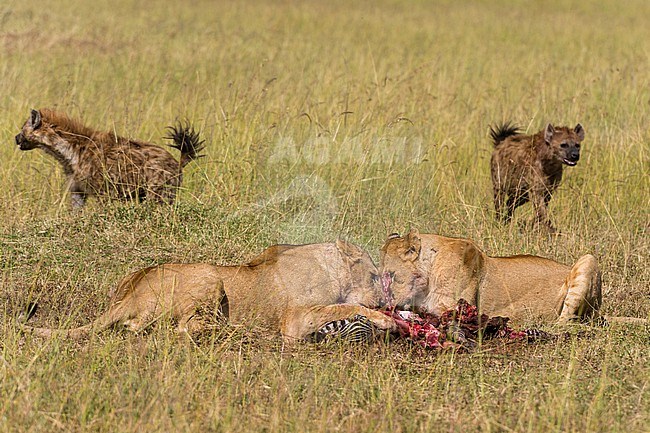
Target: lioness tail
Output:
[(74, 333), (627, 320), (102, 322)]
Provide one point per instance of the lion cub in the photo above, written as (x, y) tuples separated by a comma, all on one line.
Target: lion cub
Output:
[(101, 163), (529, 167)]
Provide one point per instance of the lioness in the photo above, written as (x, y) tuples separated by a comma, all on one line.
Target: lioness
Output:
[(432, 272), (293, 289)]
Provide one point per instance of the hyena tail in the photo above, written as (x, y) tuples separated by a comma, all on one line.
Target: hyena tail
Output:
[(187, 140), (502, 132)]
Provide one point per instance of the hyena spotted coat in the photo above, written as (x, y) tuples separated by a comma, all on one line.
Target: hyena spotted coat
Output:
[(529, 167), (104, 164)]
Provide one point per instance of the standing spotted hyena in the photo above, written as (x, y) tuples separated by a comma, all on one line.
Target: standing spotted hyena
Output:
[(529, 167), (101, 163)]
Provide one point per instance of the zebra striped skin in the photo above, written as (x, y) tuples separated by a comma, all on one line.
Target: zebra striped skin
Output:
[(533, 335), (356, 329)]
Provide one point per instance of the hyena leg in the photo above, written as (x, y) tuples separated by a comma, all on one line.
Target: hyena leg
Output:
[(507, 207), (166, 192), (541, 211), (78, 200), (169, 196), (513, 202), (77, 195), (163, 195), (499, 201), (583, 291), (301, 322)]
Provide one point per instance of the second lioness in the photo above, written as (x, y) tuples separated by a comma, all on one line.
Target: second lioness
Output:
[(291, 289), (433, 272)]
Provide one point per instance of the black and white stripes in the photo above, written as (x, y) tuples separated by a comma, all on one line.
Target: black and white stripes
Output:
[(356, 329)]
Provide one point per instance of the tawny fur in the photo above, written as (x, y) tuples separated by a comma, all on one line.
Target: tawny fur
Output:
[(293, 290), (104, 164), (529, 167), (177, 291), (432, 272)]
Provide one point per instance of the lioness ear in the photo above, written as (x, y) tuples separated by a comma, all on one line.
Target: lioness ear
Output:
[(415, 233), (413, 246), (35, 119), (548, 133), (349, 251), (580, 131)]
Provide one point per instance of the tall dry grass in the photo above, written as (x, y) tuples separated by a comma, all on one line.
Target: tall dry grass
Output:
[(323, 119)]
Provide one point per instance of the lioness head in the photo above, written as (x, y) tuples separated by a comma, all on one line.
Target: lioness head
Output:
[(565, 142), (366, 285), (400, 261)]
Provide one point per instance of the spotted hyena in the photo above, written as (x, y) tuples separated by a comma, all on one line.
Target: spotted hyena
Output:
[(104, 164), (529, 167)]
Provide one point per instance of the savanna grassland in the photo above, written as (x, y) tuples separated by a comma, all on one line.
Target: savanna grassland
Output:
[(322, 120)]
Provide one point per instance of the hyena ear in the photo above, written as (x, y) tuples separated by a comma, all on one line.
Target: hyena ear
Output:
[(413, 246), (35, 119), (548, 133), (580, 131)]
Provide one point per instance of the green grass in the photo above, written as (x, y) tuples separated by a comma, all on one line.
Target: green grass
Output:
[(323, 119)]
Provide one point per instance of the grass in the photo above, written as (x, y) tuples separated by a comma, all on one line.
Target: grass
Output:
[(323, 120)]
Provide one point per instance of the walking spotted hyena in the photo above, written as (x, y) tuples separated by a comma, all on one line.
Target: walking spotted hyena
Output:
[(104, 164), (529, 167)]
